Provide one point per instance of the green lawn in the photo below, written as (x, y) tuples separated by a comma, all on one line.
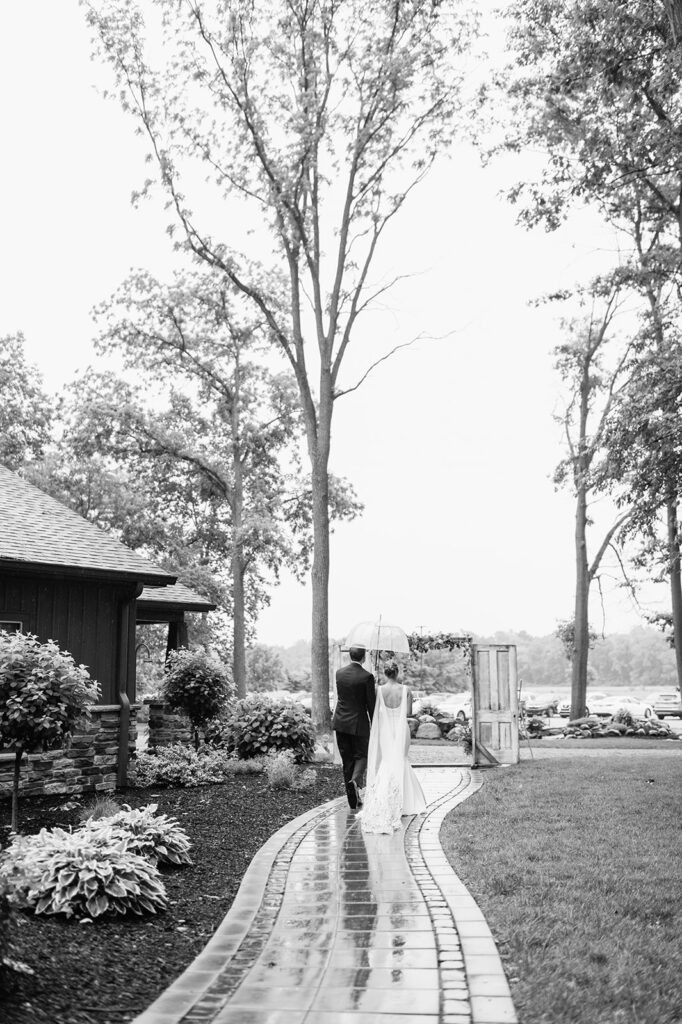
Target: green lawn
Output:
[(577, 865), (607, 743)]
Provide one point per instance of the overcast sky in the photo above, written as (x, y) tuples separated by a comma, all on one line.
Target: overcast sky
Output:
[(450, 445)]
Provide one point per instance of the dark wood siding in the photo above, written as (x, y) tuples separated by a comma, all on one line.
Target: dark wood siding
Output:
[(84, 617)]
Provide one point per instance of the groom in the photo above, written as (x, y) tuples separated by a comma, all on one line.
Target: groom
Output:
[(352, 720)]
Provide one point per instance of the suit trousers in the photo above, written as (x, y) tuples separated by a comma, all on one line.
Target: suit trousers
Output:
[(353, 750)]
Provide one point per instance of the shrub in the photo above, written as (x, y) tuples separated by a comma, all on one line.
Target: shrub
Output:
[(428, 708), (280, 769), (197, 684), (283, 773), (306, 779), (258, 725), (86, 873), (177, 765), (152, 835), (5, 939), (101, 807), (43, 693), (461, 735)]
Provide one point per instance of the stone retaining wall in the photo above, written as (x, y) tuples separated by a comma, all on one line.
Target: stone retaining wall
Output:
[(88, 764), (166, 726)]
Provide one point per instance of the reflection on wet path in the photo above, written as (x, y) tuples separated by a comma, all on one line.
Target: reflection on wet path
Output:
[(346, 928)]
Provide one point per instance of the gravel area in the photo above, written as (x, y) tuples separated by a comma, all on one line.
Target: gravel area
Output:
[(108, 971)]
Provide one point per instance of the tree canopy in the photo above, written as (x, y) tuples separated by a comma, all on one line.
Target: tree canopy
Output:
[(313, 121)]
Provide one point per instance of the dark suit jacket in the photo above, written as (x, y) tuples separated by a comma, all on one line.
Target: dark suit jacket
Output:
[(355, 703)]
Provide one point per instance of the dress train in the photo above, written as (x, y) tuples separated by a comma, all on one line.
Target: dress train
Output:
[(393, 788)]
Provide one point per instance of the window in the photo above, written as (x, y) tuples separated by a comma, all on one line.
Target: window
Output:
[(11, 625)]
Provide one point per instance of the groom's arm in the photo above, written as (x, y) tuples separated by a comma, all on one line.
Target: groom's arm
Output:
[(371, 695)]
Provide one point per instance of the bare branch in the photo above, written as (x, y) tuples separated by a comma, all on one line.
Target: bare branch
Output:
[(397, 348)]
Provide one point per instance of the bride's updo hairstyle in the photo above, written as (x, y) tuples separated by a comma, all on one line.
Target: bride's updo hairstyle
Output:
[(391, 669)]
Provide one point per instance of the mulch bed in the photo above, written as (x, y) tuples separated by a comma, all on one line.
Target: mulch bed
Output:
[(109, 971)]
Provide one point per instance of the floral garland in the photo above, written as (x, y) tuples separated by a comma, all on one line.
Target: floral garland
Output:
[(421, 643)]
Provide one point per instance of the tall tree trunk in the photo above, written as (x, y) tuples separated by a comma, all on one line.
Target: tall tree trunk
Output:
[(582, 596), (675, 579), (320, 593), (319, 444), (238, 623), (237, 561)]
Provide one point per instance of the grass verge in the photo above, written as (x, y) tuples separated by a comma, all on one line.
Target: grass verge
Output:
[(576, 866), (606, 743)]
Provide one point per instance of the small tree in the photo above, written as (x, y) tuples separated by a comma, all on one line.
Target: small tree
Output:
[(197, 683), (43, 693)]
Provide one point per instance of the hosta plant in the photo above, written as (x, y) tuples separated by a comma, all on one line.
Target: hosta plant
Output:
[(259, 725), (87, 873), (152, 835)]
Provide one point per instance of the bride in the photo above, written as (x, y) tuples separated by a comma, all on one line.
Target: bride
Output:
[(393, 788)]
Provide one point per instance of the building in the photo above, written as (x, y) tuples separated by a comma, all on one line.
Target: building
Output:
[(64, 579)]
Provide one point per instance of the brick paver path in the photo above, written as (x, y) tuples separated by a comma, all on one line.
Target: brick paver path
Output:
[(331, 926)]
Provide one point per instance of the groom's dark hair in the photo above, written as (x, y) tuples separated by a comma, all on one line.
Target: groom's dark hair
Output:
[(357, 653)]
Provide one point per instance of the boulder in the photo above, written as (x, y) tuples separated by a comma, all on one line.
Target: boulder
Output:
[(426, 718), (428, 731), (454, 735)]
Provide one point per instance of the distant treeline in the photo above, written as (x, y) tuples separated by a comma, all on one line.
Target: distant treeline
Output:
[(640, 660)]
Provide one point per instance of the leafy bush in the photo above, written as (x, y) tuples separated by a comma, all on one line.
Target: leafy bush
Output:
[(178, 765), (258, 725), (197, 683), (43, 693), (86, 873), (155, 836)]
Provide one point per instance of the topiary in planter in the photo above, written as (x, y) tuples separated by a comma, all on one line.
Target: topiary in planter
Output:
[(197, 683), (258, 725), (43, 693)]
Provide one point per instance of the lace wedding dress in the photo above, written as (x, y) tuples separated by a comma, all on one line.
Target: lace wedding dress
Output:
[(393, 788)]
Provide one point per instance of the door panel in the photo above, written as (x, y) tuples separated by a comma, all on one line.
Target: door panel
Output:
[(495, 705)]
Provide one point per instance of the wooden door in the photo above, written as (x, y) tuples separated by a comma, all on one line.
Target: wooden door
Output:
[(495, 714)]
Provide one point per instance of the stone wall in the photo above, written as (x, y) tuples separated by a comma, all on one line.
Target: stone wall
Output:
[(89, 764), (166, 726)]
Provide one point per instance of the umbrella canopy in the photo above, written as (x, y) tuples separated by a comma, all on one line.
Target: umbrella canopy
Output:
[(378, 636)]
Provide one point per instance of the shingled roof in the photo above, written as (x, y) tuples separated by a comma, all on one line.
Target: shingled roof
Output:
[(176, 595), (37, 531)]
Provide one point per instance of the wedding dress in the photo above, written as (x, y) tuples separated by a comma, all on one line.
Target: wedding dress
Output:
[(393, 788)]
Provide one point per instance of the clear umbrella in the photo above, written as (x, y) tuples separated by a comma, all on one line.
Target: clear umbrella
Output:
[(378, 636)]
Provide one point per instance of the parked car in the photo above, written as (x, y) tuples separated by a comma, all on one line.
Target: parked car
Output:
[(611, 705), (456, 704), (459, 705), (539, 703), (667, 702), (565, 705)]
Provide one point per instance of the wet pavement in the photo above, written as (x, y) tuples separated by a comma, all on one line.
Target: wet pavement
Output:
[(331, 926)]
